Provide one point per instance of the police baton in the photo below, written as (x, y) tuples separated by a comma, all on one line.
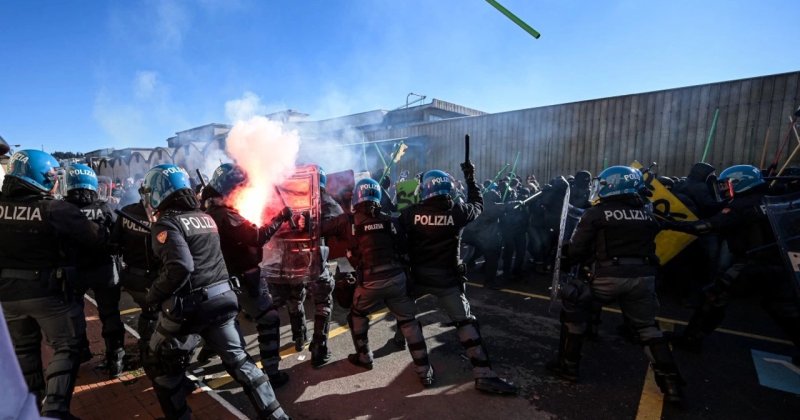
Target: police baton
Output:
[(131, 219), (291, 221), (200, 177), (466, 147)]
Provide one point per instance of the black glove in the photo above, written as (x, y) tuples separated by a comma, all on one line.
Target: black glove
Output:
[(285, 214), (468, 168), (154, 298)]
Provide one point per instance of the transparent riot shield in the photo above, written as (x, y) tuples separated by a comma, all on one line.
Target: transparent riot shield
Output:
[(555, 287), (340, 187), (784, 216), (293, 254), (104, 188)]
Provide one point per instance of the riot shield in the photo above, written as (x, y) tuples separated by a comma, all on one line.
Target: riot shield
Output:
[(555, 287), (784, 216), (104, 188), (340, 187), (293, 255)]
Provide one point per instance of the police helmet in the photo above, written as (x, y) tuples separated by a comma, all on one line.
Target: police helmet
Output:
[(35, 168), (436, 183), (323, 177), (160, 182), (365, 190), (617, 180), (226, 178), (740, 178), (80, 176)]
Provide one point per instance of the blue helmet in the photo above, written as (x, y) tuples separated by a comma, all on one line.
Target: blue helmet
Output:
[(367, 190), (34, 168), (323, 177), (618, 180), (740, 178), (435, 183), (80, 176), (162, 181), (227, 178)]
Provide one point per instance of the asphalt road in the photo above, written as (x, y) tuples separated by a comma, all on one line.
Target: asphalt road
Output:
[(522, 336)]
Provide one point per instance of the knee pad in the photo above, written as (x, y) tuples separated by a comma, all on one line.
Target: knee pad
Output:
[(270, 318)]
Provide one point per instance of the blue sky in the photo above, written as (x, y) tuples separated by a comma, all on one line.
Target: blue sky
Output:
[(81, 75)]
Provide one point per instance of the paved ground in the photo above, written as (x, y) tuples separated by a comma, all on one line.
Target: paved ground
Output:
[(522, 336)]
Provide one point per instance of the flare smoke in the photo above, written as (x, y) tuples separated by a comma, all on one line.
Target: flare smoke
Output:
[(267, 153)]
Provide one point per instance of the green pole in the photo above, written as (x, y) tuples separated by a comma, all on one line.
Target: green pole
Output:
[(605, 163), (534, 33), (710, 135), (380, 155), (513, 169)]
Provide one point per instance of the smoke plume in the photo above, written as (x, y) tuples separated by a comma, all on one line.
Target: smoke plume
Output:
[(267, 152)]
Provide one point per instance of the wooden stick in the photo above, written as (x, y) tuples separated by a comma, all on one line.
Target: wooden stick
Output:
[(789, 159)]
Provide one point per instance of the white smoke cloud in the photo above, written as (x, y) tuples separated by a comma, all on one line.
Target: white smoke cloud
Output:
[(130, 117), (244, 108), (145, 84)]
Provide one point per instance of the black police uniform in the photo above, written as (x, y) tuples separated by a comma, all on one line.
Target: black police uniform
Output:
[(194, 293), (96, 270), (242, 243), (744, 225), (617, 236), (36, 232), (381, 280), (484, 235), (293, 294), (513, 228), (433, 229), (140, 266)]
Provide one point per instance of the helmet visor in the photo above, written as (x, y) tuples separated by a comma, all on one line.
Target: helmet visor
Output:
[(146, 194), (725, 189), (594, 189)]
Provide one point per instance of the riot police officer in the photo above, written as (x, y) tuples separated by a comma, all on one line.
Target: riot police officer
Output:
[(433, 228), (195, 298), (381, 277), (484, 235), (744, 225), (36, 230), (131, 235), (96, 270), (617, 236), (242, 243)]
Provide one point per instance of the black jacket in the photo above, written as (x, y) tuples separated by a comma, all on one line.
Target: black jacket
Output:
[(187, 243), (618, 229), (133, 240), (36, 233), (433, 230)]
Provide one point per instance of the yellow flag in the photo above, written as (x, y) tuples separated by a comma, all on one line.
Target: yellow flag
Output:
[(668, 242)]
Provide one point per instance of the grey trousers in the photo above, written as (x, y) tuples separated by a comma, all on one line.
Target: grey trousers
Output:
[(27, 321), (392, 292)]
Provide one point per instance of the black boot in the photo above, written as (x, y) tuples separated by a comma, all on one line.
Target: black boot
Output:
[(205, 354), (278, 379), (666, 372), (299, 331), (399, 340), (320, 354), (569, 356), (115, 354)]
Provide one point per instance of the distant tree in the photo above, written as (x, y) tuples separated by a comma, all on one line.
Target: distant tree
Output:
[(67, 155)]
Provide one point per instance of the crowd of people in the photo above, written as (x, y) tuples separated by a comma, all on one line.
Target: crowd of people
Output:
[(192, 262)]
